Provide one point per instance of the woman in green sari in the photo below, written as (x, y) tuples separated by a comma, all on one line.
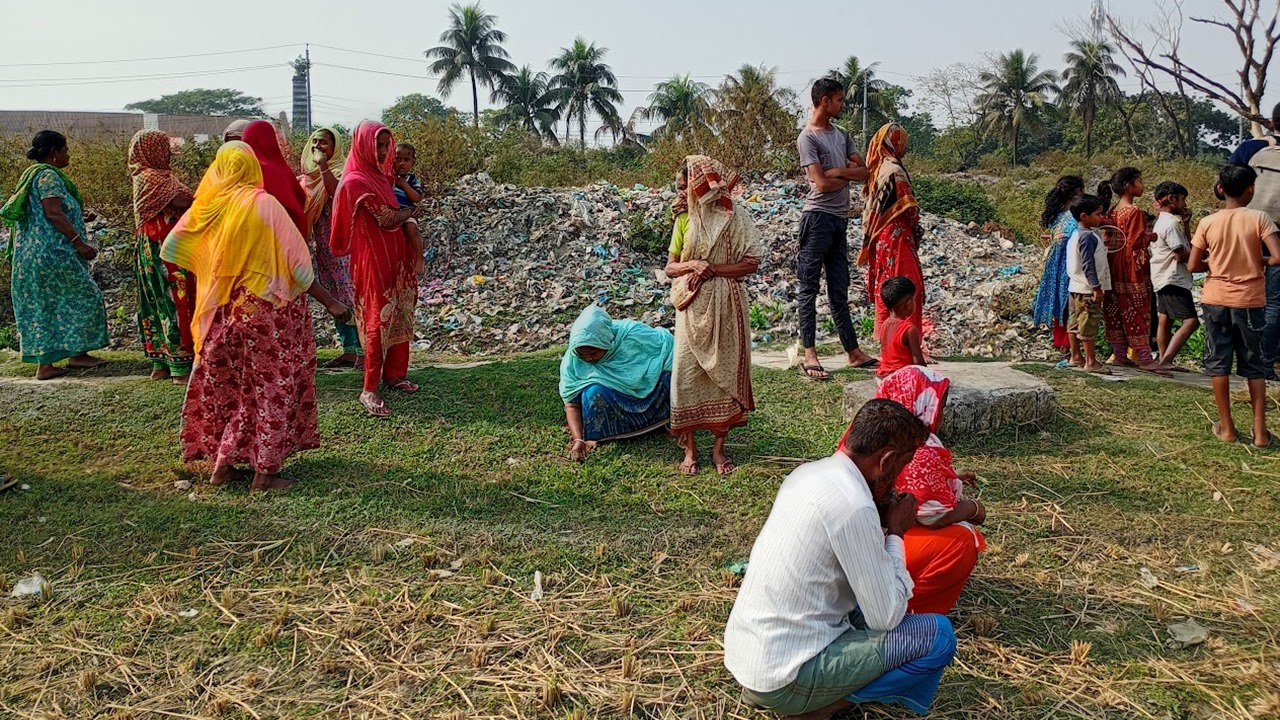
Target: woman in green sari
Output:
[(57, 305)]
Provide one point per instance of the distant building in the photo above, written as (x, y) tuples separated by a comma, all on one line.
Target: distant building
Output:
[(109, 125)]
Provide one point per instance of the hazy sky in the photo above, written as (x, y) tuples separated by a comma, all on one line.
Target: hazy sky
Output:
[(63, 55)]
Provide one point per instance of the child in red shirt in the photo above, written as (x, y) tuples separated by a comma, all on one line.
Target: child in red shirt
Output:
[(899, 338)]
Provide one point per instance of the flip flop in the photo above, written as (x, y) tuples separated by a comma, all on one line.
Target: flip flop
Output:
[(868, 364), (689, 470), (727, 467), (1272, 444), (378, 409), (1218, 426), (404, 386), (806, 369)]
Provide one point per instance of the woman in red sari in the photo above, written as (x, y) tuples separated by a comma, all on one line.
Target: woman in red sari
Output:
[(278, 179), (890, 222), (252, 395), (1127, 307), (367, 222)]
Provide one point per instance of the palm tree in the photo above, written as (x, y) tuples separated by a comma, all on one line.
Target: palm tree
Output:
[(680, 103), (472, 44), (858, 80), (756, 119), (528, 103), (1089, 83), (1014, 96), (585, 85), (627, 131)]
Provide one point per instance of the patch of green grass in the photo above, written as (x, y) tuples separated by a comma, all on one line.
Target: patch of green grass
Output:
[(395, 579)]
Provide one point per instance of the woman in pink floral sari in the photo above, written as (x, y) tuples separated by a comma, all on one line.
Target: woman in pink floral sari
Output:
[(252, 395)]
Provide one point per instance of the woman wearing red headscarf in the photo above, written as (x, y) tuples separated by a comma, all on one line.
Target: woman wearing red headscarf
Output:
[(890, 220), (278, 179), (942, 549), (367, 222)]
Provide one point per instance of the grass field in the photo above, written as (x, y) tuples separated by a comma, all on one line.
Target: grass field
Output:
[(395, 580)]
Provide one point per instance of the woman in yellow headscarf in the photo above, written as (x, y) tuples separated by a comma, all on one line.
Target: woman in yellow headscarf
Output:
[(322, 161), (252, 395), (890, 222)]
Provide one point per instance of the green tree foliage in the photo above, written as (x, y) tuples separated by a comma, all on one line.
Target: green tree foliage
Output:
[(1015, 97), (528, 103), (221, 101), (882, 100), (585, 85), (756, 120), (1089, 83), (470, 47), (413, 108), (681, 104)]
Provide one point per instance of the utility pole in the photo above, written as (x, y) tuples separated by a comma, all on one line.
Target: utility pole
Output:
[(1098, 16), (865, 82)]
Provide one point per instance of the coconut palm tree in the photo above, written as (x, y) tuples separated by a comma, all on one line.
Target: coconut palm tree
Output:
[(755, 118), (473, 46), (1015, 95), (1089, 83), (625, 133), (584, 85), (857, 80), (680, 103), (528, 103)]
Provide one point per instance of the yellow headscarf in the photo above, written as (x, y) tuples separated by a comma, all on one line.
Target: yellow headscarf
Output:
[(236, 235), (312, 179)]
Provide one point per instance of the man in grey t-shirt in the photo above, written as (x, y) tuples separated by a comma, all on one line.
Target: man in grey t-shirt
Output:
[(831, 162)]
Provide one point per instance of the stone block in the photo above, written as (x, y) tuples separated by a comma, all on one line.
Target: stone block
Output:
[(984, 398)]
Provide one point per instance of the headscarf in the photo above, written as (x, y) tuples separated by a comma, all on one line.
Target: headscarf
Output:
[(278, 178), (15, 208), (929, 476), (236, 235), (362, 176), (234, 131), (882, 201), (713, 220), (635, 358), (154, 184), (312, 178)]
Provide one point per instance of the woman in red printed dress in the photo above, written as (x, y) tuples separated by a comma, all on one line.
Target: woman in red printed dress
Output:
[(252, 396), (890, 223), (1127, 306), (367, 222), (166, 293)]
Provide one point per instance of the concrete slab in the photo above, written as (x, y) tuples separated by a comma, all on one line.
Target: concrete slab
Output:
[(984, 398)]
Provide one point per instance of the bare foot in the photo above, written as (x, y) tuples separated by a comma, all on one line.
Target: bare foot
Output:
[(1226, 436), (181, 379), (1097, 369), (160, 374), (49, 372), (345, 360), (262, 482), (1076, 361), (224, 474), (374, 404), (1155, 368), (85, 361)]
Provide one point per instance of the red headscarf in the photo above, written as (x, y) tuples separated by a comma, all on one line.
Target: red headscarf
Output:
[(929, 476), (363, 176), (278, 179)]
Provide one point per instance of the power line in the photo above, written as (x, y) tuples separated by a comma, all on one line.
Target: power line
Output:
[(150, 59), (376, 72), (63, 82)]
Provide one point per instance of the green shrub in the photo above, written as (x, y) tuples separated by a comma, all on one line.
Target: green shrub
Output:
[(647, 236), (956, 199)]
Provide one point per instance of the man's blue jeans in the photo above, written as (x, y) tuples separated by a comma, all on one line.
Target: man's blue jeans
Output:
[(1271, 333)]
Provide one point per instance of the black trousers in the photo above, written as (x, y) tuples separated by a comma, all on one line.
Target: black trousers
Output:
[(824, 245)]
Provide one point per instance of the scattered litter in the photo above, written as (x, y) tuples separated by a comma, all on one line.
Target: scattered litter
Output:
[(33, 586), (1148, 578), (189, 614), (402, 544), (1186, 634), (1187, 569), (737, 568), (193, 497), (42, 519), (1245, 606), (513, 462), (536, 595), (456, 565), (1111, 378), (182, 484), (441, 574), (25, 486)]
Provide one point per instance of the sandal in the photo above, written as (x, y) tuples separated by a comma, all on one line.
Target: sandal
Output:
[(868, 364), (1217, 428), (1271, 443), (806, 371), (689, 468), (727, 467), (404, 386), (377, 409)]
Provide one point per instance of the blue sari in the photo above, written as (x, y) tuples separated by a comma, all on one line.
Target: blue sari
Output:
[(1053, 295)]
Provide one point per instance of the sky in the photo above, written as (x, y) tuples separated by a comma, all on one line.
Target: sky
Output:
[(104, 54)]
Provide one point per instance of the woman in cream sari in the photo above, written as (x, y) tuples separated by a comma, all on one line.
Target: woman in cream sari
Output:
[(711, 252)]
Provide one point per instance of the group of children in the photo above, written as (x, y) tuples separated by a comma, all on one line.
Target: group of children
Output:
[(1118, 270)]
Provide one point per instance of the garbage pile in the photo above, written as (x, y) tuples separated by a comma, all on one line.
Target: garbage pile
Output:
[(509, 268)]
